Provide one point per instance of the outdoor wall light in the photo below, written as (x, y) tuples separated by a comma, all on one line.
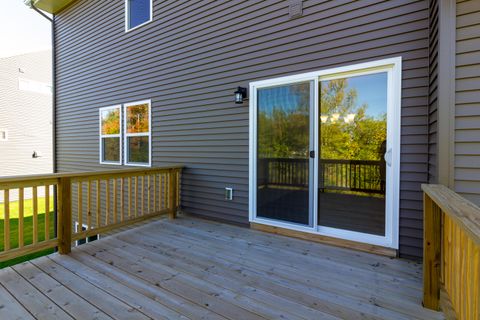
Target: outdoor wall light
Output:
[(240, 95)]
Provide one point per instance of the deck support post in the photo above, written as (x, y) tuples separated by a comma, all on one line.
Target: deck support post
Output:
[(431, 253), (64, 206), (172, 194)]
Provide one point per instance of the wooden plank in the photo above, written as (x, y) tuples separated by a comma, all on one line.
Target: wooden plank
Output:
[(154, 192), (175, 302), (171, 195), (79, 205), (53, 177), (92, 293), (89, 205), (64, 208), (16, 182), (148, 194), (6, 220), (35, 214), (431, 254), (21, 210), (47, 212), (465, 213), (142, 196), (115, 204), (31, 299), (122, 199), (123, 293), (32, 248), (107, 202), (135, 197), (71, 303), (11, 308), (98, 206), (129, 198)]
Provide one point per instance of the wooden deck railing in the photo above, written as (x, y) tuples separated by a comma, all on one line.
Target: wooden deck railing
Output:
[(451, 265), (335, 174), (95, 202)]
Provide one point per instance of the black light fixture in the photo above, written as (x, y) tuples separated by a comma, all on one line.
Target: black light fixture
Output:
[(240, 95)]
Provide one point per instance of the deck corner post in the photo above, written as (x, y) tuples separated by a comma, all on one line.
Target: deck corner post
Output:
[(172, 194), (431, 253), (64, 227)]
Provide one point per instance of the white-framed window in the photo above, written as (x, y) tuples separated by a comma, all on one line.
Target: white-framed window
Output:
[(137, 142), (110, 135), (137, 13), (84, 240), (3, 135)]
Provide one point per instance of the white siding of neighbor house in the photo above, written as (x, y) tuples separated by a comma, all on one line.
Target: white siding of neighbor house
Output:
[(26, 114)]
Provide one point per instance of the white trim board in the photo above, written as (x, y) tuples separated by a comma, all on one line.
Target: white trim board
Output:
[(393, 67)]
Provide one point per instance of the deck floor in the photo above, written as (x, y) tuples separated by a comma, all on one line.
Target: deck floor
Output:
[(194, 269)]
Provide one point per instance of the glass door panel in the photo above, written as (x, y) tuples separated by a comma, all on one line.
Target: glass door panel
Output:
[(352, 142), (283, 146)]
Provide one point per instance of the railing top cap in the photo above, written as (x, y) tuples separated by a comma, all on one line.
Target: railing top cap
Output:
[(464, 212), (50, 176)]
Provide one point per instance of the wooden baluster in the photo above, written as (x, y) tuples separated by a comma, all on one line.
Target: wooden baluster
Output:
[(160, 192), (35, 215), (431, 254), (155, 192), (47, 212), (89, 206), (135, 199), (177, 184), (107, 202), (115, 200), (172, 195), (129, 197), (148, 195), (21, 210), (142, 196), (6, 220), (122, 198), (80, 205), (98, 205)]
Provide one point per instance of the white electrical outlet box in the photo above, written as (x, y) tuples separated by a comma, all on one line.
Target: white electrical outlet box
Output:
[(228, 193)]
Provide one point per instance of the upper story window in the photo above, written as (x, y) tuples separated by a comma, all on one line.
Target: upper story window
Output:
[(137, 13)]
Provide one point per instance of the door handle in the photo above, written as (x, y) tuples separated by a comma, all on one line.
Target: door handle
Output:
[(388, 157)]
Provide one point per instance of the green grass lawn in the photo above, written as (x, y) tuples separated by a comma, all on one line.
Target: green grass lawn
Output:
[(27, 228)]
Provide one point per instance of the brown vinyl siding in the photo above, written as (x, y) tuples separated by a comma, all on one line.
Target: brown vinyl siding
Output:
[(193, 55), (467, 101)]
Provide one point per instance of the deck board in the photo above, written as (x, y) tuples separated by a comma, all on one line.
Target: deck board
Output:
[(195, 269)]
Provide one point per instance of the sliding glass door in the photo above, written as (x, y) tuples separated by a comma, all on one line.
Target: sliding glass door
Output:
[(353, 143), (283, 146), (325, 152)]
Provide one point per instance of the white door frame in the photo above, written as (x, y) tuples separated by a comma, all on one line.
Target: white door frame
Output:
[(393, 67)]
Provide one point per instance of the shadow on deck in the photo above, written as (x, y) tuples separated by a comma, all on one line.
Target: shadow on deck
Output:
[(194, 269)]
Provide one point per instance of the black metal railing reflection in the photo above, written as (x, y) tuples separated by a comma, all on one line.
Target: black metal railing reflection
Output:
[(334, 174)]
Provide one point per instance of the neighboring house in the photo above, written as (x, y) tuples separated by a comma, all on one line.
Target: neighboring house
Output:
[(26, 114), (349, 106)]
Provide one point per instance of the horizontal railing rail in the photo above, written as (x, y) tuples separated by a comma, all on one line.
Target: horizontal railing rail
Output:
[(451, 261), (334, 174), (86, 204)]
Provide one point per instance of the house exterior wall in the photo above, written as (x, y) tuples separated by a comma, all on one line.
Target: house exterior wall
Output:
[(467, 100), (189, 61), (26, 114)]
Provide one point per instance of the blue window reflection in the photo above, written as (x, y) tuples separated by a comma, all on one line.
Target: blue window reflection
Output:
[(138, 12)]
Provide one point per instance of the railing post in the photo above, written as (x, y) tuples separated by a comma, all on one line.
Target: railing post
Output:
[(172, 194), (431, 253), (64, 226)]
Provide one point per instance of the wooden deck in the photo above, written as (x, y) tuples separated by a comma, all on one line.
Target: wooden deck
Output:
[(195, 269)]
